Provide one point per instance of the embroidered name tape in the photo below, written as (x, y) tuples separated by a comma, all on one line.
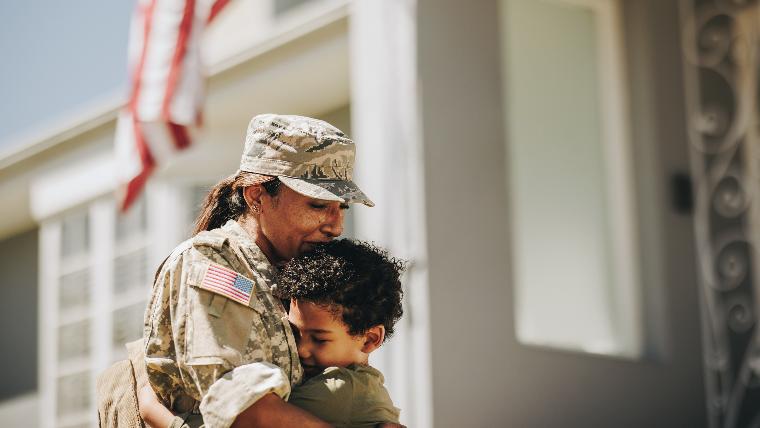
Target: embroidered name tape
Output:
[(228, 283)]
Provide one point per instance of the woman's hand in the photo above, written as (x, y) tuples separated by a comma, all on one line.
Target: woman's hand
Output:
[(151, 410)]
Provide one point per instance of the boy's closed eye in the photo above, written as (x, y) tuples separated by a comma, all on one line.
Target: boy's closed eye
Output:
[(296, 332)]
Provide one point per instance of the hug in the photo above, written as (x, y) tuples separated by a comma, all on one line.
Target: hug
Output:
[(259, 319)]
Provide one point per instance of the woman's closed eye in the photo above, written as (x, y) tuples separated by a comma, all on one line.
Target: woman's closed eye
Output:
[(322, 206)]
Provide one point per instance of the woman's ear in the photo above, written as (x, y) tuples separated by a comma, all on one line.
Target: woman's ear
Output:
[(252, 195), (373, 338)]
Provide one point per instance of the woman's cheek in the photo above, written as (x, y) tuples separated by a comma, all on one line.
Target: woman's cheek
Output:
[(311, 222)]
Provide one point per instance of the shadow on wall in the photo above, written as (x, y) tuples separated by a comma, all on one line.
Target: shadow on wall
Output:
[(18, 314)]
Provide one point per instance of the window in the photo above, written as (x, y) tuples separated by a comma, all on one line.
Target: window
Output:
[(575, 266), (131, 278), (93, 302), (74, 321)]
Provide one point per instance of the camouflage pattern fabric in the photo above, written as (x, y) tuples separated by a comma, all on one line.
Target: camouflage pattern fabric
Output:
[(309, 155), (194, 338), (187, 420)]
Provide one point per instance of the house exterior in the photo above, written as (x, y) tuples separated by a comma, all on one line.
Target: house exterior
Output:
[(524, 157)]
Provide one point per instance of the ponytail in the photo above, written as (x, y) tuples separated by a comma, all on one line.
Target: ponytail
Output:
[(225, 201)]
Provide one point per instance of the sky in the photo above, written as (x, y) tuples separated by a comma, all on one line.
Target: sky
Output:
[(58, 57)]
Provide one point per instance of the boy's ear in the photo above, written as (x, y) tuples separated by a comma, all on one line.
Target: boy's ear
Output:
[(373, 338)]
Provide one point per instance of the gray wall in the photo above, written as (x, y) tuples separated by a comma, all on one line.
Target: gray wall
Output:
[(58, 56), (18, 314), (482, 376), (471, 320)]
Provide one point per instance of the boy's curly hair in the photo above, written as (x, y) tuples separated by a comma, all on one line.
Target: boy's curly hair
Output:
[(353, 279)]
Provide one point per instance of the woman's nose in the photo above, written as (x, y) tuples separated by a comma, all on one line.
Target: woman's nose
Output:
[(333, 225)]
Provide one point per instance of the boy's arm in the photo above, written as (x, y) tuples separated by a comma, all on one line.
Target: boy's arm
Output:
[(151, 410)]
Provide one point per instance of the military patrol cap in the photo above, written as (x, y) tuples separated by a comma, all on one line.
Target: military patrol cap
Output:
[(308, 155)]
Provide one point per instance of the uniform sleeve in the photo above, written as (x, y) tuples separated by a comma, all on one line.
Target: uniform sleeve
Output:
[(161, 344), (328, 396), (239, 389), (187, 420), (195, 338), (178, 422)]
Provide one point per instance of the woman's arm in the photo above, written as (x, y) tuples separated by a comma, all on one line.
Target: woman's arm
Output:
[(269, 411), (195, 336), (272, 411)]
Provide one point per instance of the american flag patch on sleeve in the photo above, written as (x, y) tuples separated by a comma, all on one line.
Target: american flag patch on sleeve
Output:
[(228, 283)]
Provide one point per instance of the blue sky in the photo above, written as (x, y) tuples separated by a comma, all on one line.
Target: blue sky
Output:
[(58, 56)]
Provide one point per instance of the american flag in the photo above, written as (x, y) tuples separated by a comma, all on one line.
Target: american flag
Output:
[(166, 87), (228, 283)]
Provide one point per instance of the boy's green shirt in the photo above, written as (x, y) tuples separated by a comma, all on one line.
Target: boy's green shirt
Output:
[(347, 397)]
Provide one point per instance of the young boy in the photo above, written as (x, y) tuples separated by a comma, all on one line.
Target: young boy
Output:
[(345, 298)]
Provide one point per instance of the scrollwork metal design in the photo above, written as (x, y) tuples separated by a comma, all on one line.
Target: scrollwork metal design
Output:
[(721, 40)]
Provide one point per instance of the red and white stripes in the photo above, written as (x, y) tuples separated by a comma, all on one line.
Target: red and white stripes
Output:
[(167, 87), (228, 283)]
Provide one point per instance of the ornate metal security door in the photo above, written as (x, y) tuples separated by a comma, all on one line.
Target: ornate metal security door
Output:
[(721, 43)]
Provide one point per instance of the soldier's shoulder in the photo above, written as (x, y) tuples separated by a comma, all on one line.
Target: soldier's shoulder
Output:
[(175, 257), (217, 246), (206, 246), (214, 239)]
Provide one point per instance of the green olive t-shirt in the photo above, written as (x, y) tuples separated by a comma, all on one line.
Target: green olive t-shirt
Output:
[(353, 396)]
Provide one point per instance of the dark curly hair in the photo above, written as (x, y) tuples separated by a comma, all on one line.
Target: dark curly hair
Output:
[(352, 279)]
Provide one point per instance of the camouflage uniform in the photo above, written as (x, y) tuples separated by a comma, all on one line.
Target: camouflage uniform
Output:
[(206, 351), (310, 156), (194, 338)]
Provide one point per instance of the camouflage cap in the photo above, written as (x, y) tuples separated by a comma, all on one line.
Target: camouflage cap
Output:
[(308, 155)]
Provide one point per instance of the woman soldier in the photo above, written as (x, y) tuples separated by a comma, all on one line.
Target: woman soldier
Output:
[(215, 339)]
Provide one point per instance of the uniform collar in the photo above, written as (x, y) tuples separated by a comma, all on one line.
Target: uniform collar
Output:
[(255, 257)]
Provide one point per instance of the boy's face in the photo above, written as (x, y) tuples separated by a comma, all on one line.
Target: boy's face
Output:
[(323, 340)]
